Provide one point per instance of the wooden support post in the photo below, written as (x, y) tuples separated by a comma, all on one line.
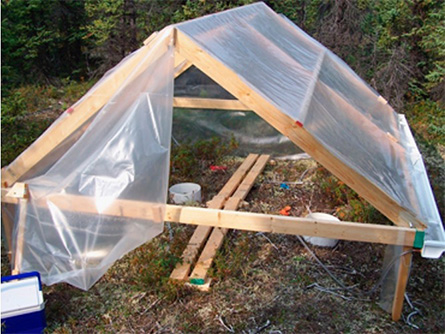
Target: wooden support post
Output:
[(200, 272), (201, 233), (19, 244), (402, 281)]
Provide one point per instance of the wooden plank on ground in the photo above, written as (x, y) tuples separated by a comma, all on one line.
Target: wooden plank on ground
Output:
[(201, 233), (235, 85), (199, 273)]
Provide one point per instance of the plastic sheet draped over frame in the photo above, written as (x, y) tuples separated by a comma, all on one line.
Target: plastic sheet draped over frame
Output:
[(304, 80), (123, 155)]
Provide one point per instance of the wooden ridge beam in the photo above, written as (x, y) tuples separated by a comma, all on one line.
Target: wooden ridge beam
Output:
[(201, 233), (230, 81), (205, 103), (205, 261)]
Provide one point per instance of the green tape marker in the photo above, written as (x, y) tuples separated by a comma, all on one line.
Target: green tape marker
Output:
[(200, 281), (418, 239)]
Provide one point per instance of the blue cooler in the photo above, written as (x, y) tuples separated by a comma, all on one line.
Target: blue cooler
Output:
[(23, 309)]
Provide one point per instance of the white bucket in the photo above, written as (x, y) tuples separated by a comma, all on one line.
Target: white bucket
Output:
[(318, 241), (185, 192)]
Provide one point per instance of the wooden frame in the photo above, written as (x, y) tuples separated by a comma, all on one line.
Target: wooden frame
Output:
[(188, 53)]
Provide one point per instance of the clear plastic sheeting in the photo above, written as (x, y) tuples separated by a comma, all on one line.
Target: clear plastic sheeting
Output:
[(252, 133), (310, 84), (106, 194)]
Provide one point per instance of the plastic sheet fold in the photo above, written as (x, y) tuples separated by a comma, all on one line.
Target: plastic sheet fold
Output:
[(68, 230)]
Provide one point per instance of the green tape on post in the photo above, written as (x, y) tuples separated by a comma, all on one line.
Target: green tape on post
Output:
[(418, 239), (200, 281)]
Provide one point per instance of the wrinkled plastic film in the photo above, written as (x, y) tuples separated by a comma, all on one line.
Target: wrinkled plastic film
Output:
[(391, 264), (106, 195), (313, 86)]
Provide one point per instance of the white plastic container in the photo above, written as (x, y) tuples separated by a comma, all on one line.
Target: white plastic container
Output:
[(318, 241), (22, 305), (185, 192)]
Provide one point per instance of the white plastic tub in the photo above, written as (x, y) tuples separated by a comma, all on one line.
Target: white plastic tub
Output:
[(185, 192), (318, 241)]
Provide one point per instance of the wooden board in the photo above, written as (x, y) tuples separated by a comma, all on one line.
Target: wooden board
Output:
[(257, 222), (205, 261), (201, 103), (230, 81), (20, 242), (201, 233), (246, 221)]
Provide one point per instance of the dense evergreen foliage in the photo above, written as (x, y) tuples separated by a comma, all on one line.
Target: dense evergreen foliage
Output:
[(396, 45)]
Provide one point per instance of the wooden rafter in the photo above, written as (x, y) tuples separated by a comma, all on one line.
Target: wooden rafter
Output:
[(230, 81)]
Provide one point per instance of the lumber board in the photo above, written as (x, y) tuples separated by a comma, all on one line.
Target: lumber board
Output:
[(205, 103), (402, 281), (246, 221), (201, 233), (257, 222), (205, 261), (150, 38), (70, 122), (20, 242), (235, 85), (181, 65)]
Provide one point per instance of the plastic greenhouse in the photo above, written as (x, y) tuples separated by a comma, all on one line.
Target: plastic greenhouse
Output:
[(94, 185)]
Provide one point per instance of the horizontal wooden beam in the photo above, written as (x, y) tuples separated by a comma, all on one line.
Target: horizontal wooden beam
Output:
[(257, 222), (247, 221), (201, 103)]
